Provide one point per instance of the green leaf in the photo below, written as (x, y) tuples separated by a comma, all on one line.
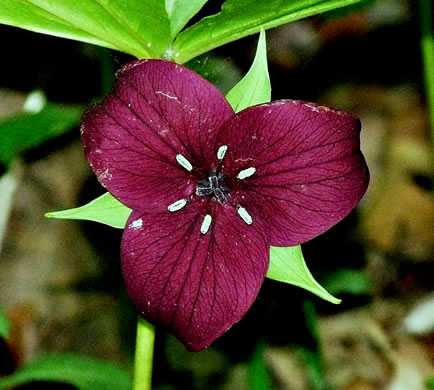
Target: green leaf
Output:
[(140, 28), (287, 265), (81, 372), (23, 14), (105, 209), (255, 87), (348, 281), (180, 12), (27, 130), (4, 323), (239, 18)]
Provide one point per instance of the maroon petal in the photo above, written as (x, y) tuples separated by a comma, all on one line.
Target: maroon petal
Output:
[(196, 285), (156, 111), (310, 172)]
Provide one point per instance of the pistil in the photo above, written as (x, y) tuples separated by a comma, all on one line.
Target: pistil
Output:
[(213, 186)]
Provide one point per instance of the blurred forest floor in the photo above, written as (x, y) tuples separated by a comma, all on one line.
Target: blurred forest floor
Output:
[(60, 281)]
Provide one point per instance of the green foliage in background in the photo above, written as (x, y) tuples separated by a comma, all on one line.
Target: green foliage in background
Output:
[(26, 130), (429, 384), (4, 323), (81, 372), (348, 281), (258, 377)]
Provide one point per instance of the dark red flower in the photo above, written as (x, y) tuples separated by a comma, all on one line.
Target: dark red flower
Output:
[(212, 190)]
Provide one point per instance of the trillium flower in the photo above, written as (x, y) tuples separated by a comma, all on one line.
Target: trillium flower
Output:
[(211, 190)]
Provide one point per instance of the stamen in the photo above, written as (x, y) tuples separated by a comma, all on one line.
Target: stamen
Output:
[(245, 173), (221, 152), (184, 162), (206, 224), (247, 218), (178, 205)]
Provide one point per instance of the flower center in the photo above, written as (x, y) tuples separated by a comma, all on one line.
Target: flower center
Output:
[(213, 186)]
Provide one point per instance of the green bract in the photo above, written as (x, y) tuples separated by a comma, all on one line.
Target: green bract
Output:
[(105, 209), (287, 265), (255, 87)]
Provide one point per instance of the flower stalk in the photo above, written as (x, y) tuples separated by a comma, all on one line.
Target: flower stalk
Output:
[(143, 355)]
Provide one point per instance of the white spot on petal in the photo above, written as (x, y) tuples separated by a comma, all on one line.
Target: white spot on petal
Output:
[(163, 132), (316, 108), (247, 218), (245, 173), (105, 175), (166, 95), (206, 224), (137, 224), (184, 162)]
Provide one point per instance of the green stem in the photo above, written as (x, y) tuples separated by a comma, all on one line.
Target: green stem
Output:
[(427, 43), (144, 355)]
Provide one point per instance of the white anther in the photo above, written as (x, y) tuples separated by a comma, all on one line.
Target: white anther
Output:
[(178, 205), (206, 224), (245, 173), (247, 218), (221, 152), (184, 162)]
